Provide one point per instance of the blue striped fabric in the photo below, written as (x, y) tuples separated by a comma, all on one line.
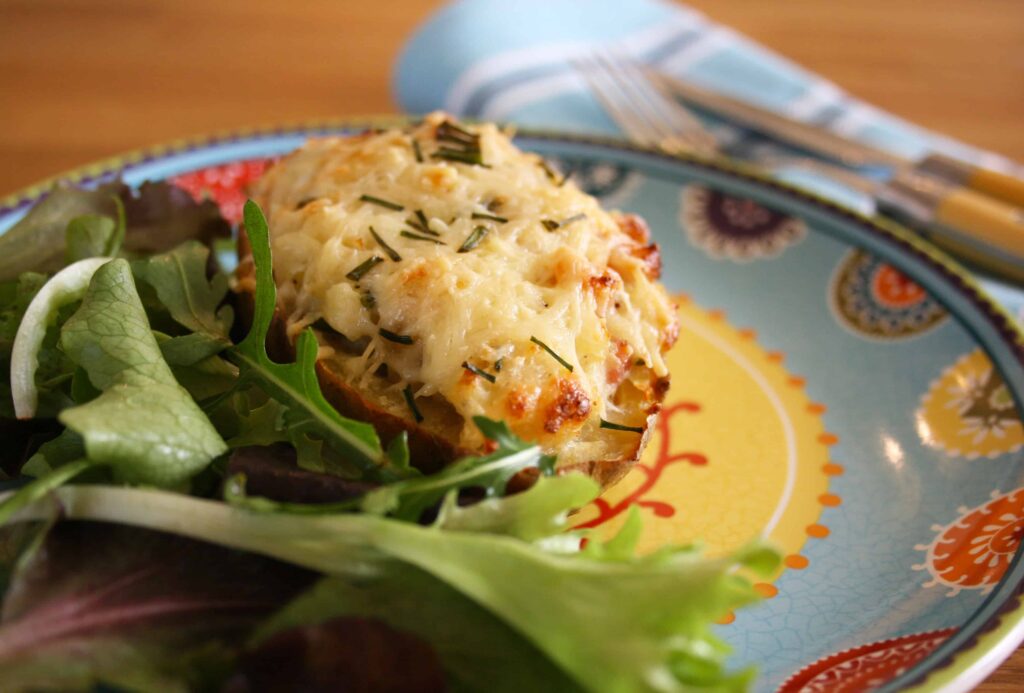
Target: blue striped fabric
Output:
[(510, 61)]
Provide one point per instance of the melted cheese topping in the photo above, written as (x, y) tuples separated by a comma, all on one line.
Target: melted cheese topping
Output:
[(586, 289)]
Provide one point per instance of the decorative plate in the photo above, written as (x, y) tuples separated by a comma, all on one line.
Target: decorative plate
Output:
[(838, 387)]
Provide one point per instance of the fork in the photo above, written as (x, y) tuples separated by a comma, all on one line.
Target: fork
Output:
[(652, 116), (640, 106)]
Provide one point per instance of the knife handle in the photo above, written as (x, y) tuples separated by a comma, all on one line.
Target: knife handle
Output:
[(994, 227), (983, 218), (995, 184)]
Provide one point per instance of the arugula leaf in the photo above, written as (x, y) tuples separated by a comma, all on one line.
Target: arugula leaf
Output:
[(180, 280), (620, 625), (295, 385), (144, 424), (478, 651), (408, 499), (134, 609)]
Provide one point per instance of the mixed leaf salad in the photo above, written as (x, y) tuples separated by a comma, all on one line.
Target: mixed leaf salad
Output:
[(185, 513)]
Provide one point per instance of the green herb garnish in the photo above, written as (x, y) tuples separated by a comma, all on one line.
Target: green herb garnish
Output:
[(418, 237), (364, 267), (545, 347), (492, 217), (417, 152), (295, 385), (395, 337), (388, 250), (420, 223), (478, 371), (497, 364), (551, 224), (551, 174), (367, 300), (463, 156), (453, 133), (474, 239), (411, 401), (382, 203), (619, 427)]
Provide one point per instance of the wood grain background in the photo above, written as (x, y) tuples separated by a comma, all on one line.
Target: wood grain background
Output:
[(86, 79)]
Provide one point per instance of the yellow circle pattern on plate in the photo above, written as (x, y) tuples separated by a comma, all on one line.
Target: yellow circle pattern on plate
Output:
[(739, 451)]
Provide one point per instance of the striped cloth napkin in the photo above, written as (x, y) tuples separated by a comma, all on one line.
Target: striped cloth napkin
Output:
[(510, 61)]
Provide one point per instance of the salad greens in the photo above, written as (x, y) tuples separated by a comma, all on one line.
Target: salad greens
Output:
[(169, 567)]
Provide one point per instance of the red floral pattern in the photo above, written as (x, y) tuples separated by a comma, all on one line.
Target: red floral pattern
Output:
[(867, 667), (225, 184)]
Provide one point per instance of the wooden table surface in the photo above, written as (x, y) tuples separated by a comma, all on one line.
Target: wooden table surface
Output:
[(85, 79)]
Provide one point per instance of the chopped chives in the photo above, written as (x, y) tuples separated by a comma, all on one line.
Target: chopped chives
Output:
[(388, 250), (466, 157), (423, 220), (550, 173), (492, 217), (478, 371), (411, 401), (551, 224), (395, 337), (620, 427), (383, 203), (450, 131), (364, 267), (545, 347), (367, 300), (417, 237), (473, 240), (573, 218), (417, 152), (497, 364), (420, 227)]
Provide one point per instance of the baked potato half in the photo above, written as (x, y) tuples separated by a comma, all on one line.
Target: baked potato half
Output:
[(448, 274)]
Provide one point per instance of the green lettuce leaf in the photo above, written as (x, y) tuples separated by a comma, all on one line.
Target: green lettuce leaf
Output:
[(37, 242), (144, 424), (295, 385), (92, 235), (157, 217), (613, 624), (180, 280)]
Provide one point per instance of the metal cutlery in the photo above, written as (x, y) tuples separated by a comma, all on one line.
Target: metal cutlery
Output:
[(932, 195)]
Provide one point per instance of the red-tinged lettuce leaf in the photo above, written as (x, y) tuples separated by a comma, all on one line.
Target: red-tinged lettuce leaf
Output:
[(161, 216), (341, 654), (477, 651), (135, 609)]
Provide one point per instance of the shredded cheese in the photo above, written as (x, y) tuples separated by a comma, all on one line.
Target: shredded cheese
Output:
[(584, 288)]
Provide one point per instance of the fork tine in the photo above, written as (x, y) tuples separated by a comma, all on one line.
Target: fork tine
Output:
[(642, 109), (618, 105)]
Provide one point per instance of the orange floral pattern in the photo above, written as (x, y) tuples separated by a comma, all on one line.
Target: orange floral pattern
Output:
[(974, 551)]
